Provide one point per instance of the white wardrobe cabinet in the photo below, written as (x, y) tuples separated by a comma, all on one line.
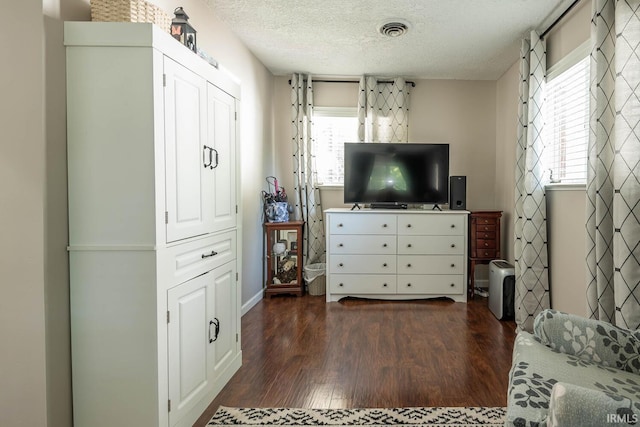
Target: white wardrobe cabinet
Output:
[(153, 226)]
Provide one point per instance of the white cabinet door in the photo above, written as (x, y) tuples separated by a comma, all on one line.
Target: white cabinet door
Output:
[(188, 340), (202, 336), (189, 186), (222, 142), (224, 347)]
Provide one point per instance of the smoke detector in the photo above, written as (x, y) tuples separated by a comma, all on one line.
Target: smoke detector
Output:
[(394, 28)]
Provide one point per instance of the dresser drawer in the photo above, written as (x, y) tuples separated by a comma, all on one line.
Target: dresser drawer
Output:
[(431, 264), (486, 220), (432, 224), (441, 245), (186, 261), (485, 244), (485, 228), (486, 234), (366, 264), (431, 284), (362, 244), (485, 253), (362, 284), (362, 224)]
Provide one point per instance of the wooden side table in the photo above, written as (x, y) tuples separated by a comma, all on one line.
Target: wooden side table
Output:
[(284, 258), (484, 241)]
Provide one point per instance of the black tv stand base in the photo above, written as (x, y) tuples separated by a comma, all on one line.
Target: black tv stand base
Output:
[(388, 205)]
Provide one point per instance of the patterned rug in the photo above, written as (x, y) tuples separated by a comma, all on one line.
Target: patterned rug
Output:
[(432, 417)]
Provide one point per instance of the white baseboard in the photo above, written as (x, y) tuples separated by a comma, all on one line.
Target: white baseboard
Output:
[(252, 302)]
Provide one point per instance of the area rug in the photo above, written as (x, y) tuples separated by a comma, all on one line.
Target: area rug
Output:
[(432, 417)]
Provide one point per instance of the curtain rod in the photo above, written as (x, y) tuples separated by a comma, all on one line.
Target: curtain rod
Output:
[(559, 19), (413, 84)]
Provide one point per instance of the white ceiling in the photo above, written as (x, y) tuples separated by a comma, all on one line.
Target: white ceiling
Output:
[(447, 39)]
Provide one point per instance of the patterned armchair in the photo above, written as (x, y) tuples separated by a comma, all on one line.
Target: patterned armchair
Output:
[(574, 372)]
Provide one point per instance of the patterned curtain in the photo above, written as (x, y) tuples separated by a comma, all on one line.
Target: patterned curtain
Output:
[(383, 110), (613, 173), (530, 246), (307, 204)]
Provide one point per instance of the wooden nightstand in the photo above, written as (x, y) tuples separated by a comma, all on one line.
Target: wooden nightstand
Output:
[(484, 241), (284, 258)]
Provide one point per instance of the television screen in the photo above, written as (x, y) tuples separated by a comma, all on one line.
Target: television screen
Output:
[(396, 173)]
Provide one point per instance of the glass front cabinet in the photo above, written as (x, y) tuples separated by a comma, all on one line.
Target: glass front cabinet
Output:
[(284, 258)]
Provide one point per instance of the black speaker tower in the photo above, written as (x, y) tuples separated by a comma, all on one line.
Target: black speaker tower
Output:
[(458, 193)]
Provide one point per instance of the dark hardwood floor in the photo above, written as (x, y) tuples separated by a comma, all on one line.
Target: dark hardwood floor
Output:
[(304, 352)]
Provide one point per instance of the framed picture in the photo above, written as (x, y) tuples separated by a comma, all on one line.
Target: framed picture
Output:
[(293, 248)]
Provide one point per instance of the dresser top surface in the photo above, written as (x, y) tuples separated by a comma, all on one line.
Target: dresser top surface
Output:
[(369, 211)]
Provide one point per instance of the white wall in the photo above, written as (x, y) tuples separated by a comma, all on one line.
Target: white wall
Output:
[(23, 393), (461, 113)]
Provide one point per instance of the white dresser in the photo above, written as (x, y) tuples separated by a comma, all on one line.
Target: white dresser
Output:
[(153, 227), (393, 254)]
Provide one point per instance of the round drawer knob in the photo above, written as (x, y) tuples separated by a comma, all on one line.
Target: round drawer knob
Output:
[(453, 226), (453, 245), (341, 284), (408, 225), (486, 244), (453, 265), (340, 245), (408, 285), (339, 225), (384, 285), (409, 245), (384, 225), (453, 285), (409, 265), (384, 245), (384, 265), (341, 265)]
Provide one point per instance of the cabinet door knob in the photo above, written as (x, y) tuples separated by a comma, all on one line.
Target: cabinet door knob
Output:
[(409, 245), (384, 285), (453, 226), (384, 245), (340, 245), (453, 245), (384, 265), (453, 285), (341, 265), (384, 225), (341, 284), (340, 225), (408, 285), (408, 265), (408, 225), (453, 265)]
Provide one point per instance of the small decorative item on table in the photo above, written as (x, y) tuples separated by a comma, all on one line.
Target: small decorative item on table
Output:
[(182, 31), (284, 267)]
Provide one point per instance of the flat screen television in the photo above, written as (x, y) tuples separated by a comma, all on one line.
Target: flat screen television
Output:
[(394, 174)]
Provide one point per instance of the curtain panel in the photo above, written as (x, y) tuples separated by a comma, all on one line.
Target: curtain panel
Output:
[(613, 173), (532, 293), (307, 204), (383, 110)]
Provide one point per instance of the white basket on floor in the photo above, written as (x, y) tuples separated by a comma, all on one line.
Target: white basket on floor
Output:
[(314, 276)]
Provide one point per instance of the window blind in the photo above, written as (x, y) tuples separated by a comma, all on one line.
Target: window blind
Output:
[(566, 111), (332, 127)]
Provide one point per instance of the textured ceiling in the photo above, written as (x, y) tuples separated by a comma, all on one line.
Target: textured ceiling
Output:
[(447, 39)]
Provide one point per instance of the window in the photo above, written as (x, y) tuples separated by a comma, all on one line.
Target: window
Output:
[(332, 127), (566, 112)]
